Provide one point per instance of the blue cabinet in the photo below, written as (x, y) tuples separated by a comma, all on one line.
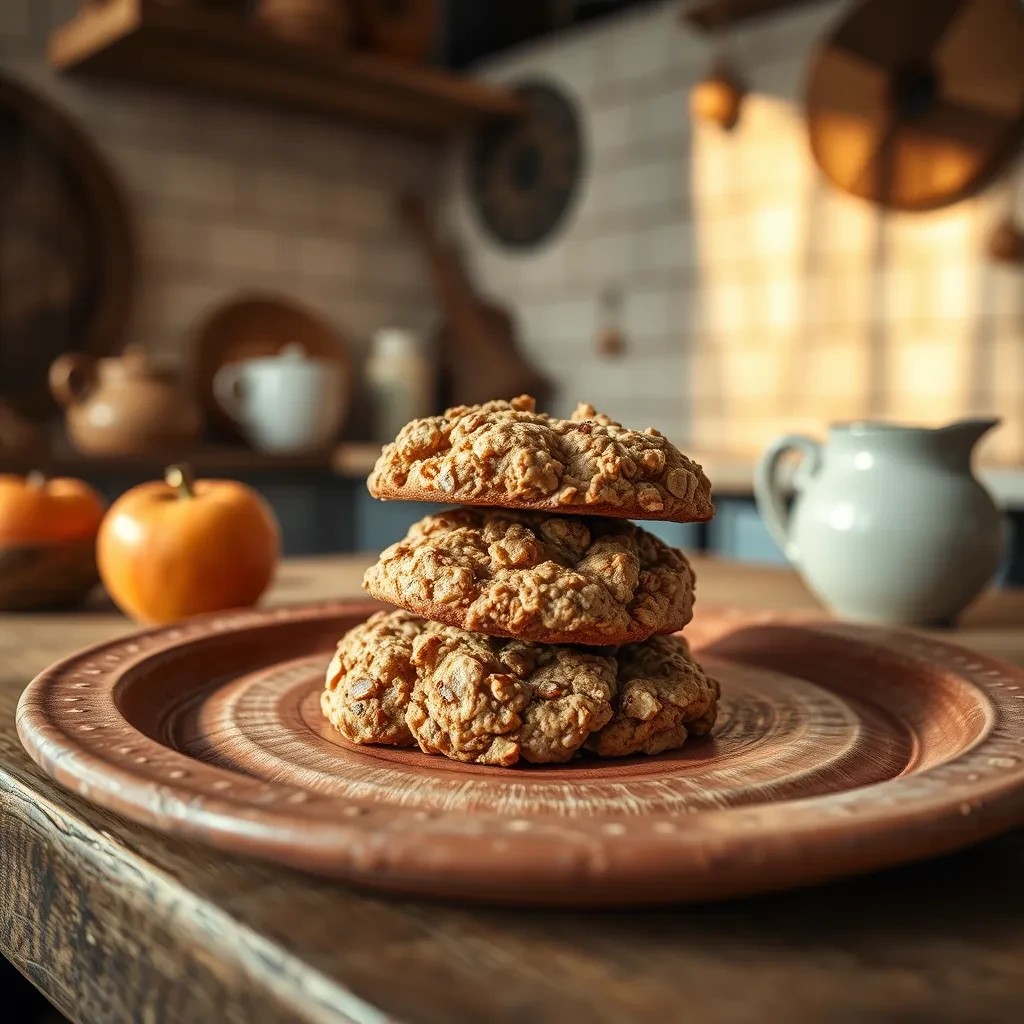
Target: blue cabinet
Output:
[(678, 535), (380, 523), (322, 513), (737, 531)]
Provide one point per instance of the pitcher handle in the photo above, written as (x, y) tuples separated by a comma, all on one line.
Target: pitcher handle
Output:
[(71, 377), (227, 389), (771, 502)]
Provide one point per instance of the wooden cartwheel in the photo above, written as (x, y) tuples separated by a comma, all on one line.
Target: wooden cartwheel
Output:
[(915, 105), (839, 749), (67, 249)]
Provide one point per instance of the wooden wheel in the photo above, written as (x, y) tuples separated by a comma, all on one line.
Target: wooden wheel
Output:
[(525, 175), (66, 247), (914, 105)]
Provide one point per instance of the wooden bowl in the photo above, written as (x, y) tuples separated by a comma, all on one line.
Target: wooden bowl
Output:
[(36, 577)]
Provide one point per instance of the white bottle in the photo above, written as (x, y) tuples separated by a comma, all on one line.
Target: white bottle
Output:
[(400, 379)]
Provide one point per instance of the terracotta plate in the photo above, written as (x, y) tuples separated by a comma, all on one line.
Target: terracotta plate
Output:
[(839, 749)]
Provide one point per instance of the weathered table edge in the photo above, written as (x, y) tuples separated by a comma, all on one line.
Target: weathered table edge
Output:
[(39, 825)]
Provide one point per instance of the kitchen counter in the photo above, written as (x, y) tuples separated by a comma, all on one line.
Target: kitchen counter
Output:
[(322, 505), (352, 459), (732, 475), (115, 922)]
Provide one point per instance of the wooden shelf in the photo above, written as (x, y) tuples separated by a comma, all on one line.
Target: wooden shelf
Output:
[(214, 53), (713, 15), (351, 459)]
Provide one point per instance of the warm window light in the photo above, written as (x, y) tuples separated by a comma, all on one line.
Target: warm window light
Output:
[(717, 98)]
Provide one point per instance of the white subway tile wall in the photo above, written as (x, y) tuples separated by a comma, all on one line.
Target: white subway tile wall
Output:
[(230, 198), (757, 299)]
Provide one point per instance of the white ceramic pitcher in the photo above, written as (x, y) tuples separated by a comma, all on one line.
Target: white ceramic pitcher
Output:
[(888, 523)]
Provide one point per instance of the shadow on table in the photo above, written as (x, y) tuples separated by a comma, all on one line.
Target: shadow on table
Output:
[(21, 999), (941, 897)]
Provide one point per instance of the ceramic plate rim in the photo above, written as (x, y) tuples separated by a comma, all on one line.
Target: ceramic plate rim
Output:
[(415, 854)]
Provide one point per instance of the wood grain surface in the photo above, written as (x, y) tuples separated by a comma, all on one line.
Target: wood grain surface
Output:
[(116, 923)]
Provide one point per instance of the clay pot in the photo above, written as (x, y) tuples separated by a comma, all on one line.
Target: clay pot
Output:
[(124, 406), (718, 98)]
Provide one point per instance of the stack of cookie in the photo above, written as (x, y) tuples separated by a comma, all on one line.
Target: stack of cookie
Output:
[(536, 620)]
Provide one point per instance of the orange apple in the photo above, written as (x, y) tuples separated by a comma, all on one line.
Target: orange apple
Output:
[(178, 547), (36, 510)]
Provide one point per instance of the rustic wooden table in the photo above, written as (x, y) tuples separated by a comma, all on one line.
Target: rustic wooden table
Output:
[(116, 923)]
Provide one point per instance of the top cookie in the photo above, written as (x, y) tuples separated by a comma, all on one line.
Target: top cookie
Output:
[(506, 454)]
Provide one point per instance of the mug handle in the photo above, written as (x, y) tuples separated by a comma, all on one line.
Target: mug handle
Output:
[(771, 502), (71, 377), (227, 389)]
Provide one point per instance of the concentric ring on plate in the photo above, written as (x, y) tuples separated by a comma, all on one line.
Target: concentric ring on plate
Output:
[(775, 737)]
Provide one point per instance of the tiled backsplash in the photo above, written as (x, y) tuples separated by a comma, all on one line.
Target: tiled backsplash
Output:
[(758, 299), (231, 197)]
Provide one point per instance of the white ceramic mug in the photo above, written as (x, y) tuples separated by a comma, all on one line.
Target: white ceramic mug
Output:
[(286, 403)]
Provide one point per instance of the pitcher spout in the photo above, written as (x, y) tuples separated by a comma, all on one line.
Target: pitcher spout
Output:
[(959, 438)]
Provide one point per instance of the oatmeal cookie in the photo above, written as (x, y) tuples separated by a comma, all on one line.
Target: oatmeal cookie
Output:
[(492, 701), (534, 576), (506, 454), (370, 680), (662, 696)]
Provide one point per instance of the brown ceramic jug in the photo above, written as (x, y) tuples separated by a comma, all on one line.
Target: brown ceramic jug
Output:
[(122, 405)]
